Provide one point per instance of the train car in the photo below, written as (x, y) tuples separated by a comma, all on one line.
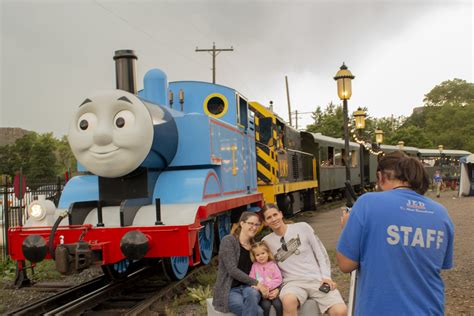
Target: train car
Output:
[(163, 170), (331, 172), (286, 174), (410, 151), (446, 161)]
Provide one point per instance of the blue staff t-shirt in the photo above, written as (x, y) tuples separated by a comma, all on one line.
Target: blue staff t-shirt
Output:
[(401, 240)]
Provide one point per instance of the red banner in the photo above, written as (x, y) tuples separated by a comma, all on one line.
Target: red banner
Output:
[(19, 190)]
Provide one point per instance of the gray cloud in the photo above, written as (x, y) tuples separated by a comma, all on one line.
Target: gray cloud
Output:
[(56, 53)]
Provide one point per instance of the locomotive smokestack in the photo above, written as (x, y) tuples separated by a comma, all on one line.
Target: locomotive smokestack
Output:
[(125, 70)]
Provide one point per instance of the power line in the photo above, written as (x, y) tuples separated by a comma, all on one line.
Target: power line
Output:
[(148, 34), (215, 51), (296, 113)]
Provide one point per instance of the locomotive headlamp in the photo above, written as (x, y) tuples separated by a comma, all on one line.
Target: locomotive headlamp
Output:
[(378, 136), (359, 116), (39, 209), (343, 78)]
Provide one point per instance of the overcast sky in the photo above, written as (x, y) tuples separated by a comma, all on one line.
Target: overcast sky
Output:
[(56, 53)]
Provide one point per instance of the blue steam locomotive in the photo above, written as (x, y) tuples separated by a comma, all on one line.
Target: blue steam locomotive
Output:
[(164, 169)]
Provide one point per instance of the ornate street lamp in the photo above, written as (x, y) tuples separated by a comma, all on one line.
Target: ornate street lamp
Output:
[(378, 136), (344, 90), (441, 156), (359, 116), (401, 145)]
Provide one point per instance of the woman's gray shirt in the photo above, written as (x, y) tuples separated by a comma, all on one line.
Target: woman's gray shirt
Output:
[(229, 253)]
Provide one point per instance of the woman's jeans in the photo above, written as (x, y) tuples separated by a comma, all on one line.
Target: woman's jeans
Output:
[(243, 301)]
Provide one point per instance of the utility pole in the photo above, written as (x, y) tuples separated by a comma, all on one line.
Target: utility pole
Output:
[(288, 99), (214, 52), (296, 113)]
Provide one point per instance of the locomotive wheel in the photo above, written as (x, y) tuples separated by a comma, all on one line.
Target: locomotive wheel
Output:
[(223, 225), (206, 241), (285, 204), (118, 270), (176, 267)]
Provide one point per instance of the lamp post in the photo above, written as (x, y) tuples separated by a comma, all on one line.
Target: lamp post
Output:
[(359, 116), (440, 148), (378, 138), (401, 145), (344, 90)]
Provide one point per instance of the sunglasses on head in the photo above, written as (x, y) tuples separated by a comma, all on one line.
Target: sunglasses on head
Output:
[(283, 244)]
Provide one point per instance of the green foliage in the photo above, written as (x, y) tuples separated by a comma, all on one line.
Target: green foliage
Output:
[(7, 269), (411, 135), (456, 92), (448, 115), (328, 122), (200, 293), (39, 156), (64, 156), (207, 278), (44, 270), (42, 159)]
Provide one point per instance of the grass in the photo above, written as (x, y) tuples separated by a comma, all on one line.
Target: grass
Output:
[(193, 300), (44, 270)]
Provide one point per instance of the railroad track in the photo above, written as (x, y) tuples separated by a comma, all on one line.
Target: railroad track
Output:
[(136, 294)]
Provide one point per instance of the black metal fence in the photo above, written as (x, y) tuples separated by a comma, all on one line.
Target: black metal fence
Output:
[(14, 211)]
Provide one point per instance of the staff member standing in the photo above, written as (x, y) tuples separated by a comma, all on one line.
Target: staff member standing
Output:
[(400, 241)]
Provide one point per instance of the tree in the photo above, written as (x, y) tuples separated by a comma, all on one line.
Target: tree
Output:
[(21, 153), (456, 92), (448, 115), (412, 136), (38, 156), (451, 126), (389, 125), (329, 123), (43, 163), (64, 156)]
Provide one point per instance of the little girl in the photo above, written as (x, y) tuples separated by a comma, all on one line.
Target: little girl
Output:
[(266, 271)]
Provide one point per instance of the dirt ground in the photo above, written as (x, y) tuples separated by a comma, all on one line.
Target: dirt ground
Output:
[(459, 281)]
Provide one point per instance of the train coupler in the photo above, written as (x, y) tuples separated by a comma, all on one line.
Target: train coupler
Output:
[(73, 258)]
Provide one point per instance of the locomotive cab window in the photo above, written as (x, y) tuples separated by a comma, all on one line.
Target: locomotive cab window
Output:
[(265, 130), (215, 105), (242, 112)]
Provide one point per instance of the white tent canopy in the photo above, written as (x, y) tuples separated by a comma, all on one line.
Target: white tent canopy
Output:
[(468, 159), (466, 182)]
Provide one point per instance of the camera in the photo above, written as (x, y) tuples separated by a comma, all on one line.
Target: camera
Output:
[(325, 288)]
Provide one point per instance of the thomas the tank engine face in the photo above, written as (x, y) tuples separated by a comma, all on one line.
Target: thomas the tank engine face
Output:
[(111, 133)]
